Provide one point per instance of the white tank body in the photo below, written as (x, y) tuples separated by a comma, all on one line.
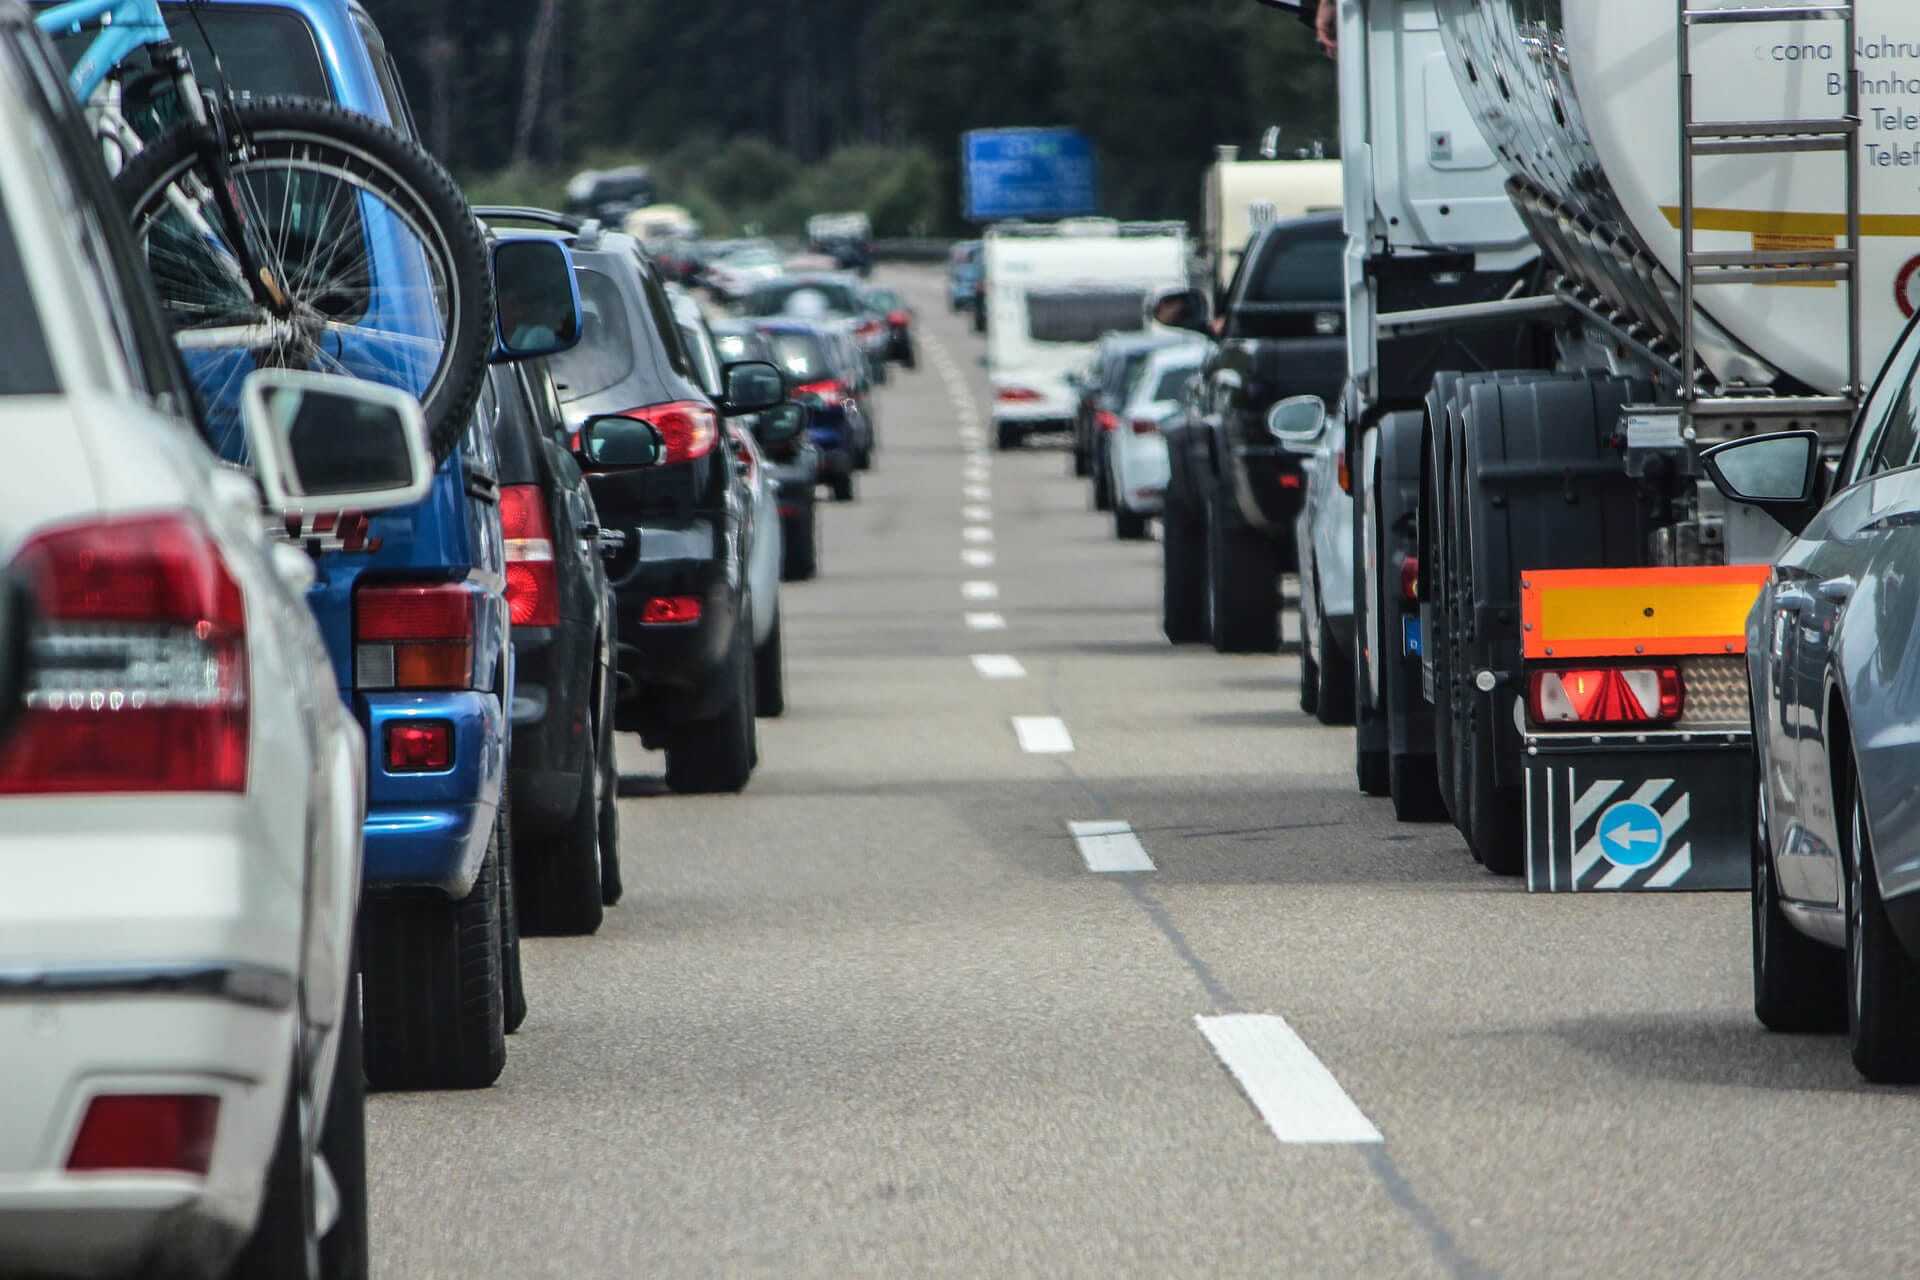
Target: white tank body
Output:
[(1581, 100)]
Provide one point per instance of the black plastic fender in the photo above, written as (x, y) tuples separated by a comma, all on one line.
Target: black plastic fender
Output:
[(1396, 539)]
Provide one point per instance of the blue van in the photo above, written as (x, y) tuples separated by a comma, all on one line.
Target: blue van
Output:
[(413, 609)]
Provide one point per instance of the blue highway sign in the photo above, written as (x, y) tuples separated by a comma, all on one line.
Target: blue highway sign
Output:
[(1027, 173)]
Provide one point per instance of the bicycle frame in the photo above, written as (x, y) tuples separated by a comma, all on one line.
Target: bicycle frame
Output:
[(125, 26)]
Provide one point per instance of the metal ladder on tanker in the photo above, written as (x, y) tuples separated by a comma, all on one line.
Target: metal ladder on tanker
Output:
[(1839, 265)]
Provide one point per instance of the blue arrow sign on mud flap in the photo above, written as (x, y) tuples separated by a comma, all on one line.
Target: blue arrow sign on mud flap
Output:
[(1631, 834)]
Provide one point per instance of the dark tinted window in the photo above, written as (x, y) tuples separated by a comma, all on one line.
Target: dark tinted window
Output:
[(1297, 269), (741, 346), (264, 51), (800, 355), (1082, 315), (785, 295), (26, 368), (1890, 403), (605, 353)]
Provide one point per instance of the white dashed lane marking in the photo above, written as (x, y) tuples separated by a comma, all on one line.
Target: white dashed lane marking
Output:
[(985, 622), (1042, 735), (1290, 1087), (978, 514), (977, 558), (999, 666), (976, 493), (980, 590), (977, 533), (1110, 846)]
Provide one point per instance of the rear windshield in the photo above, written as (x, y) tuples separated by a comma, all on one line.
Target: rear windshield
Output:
[(791, 295), (1301, 270), (26, 365), (1082, 315), (801, 355), (1173, 383), (740, 346), (605, 353), (265, 52), (883, 300)]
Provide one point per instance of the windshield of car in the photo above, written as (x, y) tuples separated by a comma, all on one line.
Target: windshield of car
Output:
[(27, 369), (884, 300), (801, 355), (1082, 315), (605, 353), (265, 52), (816, 296), (1305, 269)]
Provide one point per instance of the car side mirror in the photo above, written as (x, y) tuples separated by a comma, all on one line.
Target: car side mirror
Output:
[(1778, 473), (536, 300), (16, 623), (752, 386), (1297, 423), (783, 423), (322, 442), (1178, 308), (615, 442)]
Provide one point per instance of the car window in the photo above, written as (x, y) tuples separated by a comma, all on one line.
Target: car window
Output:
[(28, 367), (479, 450), (801, 355), (823, 295), (384, 75), (1173, 382), (664, 323), (605, 354), (265, 52), (1082, 315), (704, 360), (1888, 411), (1300, 269)]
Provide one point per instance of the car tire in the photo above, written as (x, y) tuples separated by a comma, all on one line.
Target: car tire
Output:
[(1243, 582), (770, 675), (286, 1236), (1183, 575), (560, 885), (909, 359), (863, 458), (1006, 435), (1082, 462), (1333, 700), (431, 987), (1883, 981), (611, 888), (1309, 675), (1799, 985), (841, 487), (343, 1145), (1129, 526), (513, 992), (1102, 483), (800, 549), (715, 756)]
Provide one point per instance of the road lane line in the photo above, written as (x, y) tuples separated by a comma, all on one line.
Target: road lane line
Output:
[(977, 533), (980, 590), (976, 492), (979, 514), (1291, 1088), (977, 558), (985, 622), (1042, 735), (1110, 847), (999, 666)]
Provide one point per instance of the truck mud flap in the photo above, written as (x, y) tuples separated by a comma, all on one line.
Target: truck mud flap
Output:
[(1646, 819)]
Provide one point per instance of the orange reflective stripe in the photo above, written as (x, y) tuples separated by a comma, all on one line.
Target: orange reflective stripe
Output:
[(1627, 613)]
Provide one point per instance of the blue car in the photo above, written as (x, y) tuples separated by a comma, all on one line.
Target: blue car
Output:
[(413, 607), (822, 367), (963, 275)]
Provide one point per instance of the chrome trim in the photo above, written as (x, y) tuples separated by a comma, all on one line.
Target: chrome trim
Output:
[(251, 985)]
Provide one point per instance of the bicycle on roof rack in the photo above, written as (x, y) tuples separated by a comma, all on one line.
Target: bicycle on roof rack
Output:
[(284, 233)]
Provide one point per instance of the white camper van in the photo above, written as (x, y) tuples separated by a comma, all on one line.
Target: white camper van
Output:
[(1052, 289), (1242, 196)]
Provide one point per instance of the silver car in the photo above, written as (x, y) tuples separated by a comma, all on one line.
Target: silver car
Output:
[(1835, 680)]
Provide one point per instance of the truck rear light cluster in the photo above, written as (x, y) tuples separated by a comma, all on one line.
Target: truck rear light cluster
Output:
[(413, 636), (146, 1133), (533, 579), (141, 663), (667, 611), (1410, 578), (1602, 697)]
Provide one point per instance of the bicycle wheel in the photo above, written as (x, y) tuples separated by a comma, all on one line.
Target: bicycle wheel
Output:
[(371, 260)]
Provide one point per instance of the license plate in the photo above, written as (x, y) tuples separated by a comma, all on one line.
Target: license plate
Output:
[(1410, 635)]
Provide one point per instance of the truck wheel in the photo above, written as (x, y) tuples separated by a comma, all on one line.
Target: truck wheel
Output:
[(513, 993), (1497, 835), (1434, 620), (1799, 985), (713, 756), (560, 881), (841, 486), (1006, 435), (770, 675), (1243, 581), (799, 548), (1183, 570), (1883, 981), (1415, 787), (431, 987), (1333, 699)]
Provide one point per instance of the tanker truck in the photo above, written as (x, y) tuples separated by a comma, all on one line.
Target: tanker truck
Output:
[(1587, 240)]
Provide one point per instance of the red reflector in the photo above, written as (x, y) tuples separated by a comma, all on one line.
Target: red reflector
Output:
[(533, 580), (1588, 696), (1145, 427), (1105, 420), (141, 682), (668, 610), (1015, 393), (1410, 578), (438, 611), (1288, 480), (157, 1133), (419, 746)]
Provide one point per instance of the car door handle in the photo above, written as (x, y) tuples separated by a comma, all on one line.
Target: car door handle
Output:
[(1839, 590), (1792, 600)]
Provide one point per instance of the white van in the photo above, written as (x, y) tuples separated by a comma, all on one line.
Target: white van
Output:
[(1052, 290), (1241, 196)]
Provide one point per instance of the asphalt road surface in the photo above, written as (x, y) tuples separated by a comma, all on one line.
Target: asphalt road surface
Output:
[(880, 1015)]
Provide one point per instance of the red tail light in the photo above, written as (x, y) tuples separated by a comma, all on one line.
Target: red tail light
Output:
[(666, 611), (1105, 420), (688, 428), (1015, 394), (141, 651), (1145, 427), (899, 319), (533, 579), (1410, 578), (1590, 697), (147, 1133), (1292, 480), (868, 328), (419, 746), (830, 391), (413, 636)]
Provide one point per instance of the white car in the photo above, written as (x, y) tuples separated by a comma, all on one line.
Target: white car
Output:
[(1324, 533), (1137, 469), (180, 803), (735, 275)]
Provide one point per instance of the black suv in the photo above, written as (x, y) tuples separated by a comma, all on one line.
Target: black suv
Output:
[(561, 769), (679, 528)]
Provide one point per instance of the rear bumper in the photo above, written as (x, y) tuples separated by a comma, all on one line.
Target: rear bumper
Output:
[(430, 830), (668, 670)]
